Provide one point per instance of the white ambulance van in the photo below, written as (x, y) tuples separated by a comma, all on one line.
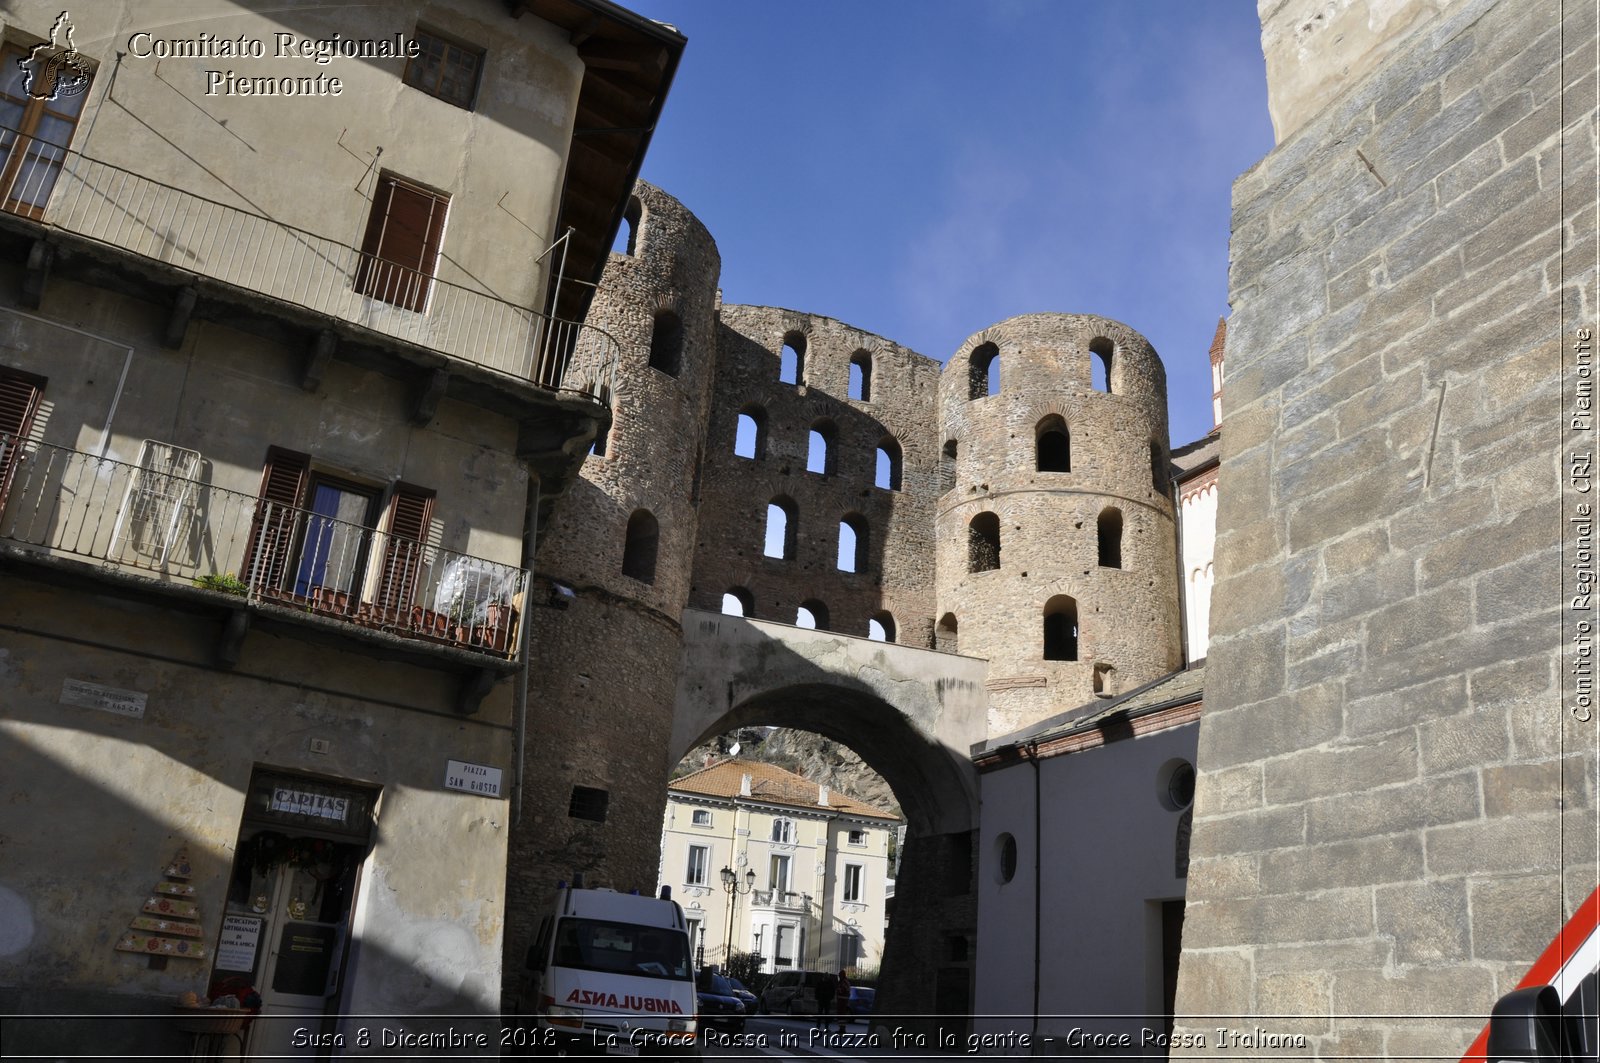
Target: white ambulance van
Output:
[(611, 974)]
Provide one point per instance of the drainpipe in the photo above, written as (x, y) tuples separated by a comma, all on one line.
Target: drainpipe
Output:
[(1038, 882), (530, 544)]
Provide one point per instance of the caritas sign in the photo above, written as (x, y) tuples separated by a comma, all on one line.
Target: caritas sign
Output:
[(307, 804)]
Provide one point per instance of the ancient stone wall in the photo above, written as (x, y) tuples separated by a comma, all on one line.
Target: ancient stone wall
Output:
[(1395, 810), (1315, 49), (1072, 483), (894, 575), (607, 663)]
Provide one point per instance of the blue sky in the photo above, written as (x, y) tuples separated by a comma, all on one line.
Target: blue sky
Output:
[(922, 169)]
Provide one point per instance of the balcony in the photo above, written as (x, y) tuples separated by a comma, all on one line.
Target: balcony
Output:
[(74, 193), (782, 900), (286, 562)]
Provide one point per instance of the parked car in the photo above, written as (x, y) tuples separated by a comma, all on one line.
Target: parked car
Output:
[(719, 1007), (794, 993), (861, 999), (747, 998)]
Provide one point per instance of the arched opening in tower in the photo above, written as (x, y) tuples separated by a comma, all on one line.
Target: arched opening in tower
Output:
[(1053, 445), (983, 543), (1061, 628)]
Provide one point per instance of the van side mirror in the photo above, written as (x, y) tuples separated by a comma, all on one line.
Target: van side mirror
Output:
[(1525, 1026)]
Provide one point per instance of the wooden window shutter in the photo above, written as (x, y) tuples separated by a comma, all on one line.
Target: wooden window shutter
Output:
[(401, 244), (19, 401), (276, 522), (404, 543)]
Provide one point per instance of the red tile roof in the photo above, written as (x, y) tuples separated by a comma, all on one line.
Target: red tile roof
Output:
[(770, 785)]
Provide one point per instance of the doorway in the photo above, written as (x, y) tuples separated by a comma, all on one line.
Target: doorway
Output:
[(291, 896)]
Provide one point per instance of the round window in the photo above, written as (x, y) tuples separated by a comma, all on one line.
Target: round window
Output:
[(1177, 789), (1005, 851)]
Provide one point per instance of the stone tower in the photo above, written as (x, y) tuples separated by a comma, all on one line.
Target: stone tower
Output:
[(612, 579), (1055, 532)]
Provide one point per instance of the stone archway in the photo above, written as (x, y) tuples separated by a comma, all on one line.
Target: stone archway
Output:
[(912, 715)]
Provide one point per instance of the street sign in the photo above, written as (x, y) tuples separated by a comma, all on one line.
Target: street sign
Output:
[(472, 778)]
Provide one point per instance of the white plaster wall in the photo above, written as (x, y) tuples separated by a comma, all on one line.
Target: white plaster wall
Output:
[(1007, 938), (1198, 518), (1107, 853)]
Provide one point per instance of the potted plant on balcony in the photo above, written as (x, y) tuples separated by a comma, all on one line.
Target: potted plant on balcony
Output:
[(226, 582)]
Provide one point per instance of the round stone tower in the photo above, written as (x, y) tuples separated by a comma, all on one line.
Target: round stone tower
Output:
[(1056, 533), (611, 579)]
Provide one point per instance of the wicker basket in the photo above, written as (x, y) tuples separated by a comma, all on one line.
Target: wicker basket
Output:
[(211, 1020)]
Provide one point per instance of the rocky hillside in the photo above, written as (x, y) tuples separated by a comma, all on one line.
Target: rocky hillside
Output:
[(819, 759)]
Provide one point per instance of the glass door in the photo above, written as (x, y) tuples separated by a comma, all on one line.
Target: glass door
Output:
[(285, 931), (292, 893)]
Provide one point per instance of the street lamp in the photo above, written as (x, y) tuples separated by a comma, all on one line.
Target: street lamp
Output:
[(731, 886)]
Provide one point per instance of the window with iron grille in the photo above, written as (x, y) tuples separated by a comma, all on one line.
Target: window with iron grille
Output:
[(400, 249), (445, 69), (588, 803)]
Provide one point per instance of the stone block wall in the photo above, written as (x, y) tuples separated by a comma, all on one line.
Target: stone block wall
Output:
[(1048, 521), (1396, 807), (1315, 49), (895, 576)]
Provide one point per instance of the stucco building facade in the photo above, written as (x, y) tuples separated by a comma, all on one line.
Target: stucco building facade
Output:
[(283, 397), (811, 868)]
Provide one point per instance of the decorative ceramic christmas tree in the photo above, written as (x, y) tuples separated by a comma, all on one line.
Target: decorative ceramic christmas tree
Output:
[(169, 924)]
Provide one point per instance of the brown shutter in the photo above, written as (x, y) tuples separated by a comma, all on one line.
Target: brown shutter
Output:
[(19, 401), (283, 481), (401, 244), (410, 514)]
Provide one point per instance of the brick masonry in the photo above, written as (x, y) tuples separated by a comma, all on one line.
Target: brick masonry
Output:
[(895, 575), (1396, 808)]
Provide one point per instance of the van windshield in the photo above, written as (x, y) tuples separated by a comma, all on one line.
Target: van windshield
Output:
[(622, 948)]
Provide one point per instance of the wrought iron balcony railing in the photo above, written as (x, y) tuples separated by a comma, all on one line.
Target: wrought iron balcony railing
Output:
[(108, 204), (149, 520)]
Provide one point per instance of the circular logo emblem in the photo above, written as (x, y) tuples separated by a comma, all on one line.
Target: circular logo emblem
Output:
[(59, 74)]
